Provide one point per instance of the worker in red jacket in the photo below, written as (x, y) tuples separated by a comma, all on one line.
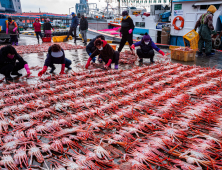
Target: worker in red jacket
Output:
[(37, 27)]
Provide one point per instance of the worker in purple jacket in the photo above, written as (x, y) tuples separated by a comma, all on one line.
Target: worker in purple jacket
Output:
[(55, 55), (146, 48)]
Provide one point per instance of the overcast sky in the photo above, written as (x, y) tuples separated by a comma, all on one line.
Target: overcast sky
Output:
[(53, 6)]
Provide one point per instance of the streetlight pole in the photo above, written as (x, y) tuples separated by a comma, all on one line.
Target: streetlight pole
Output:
[(70, 8)]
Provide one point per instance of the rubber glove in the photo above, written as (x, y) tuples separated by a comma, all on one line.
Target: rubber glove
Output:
[(133, 46), (90, 54), (6, 30), (108, 64), (88, 63), (130, 31), (120, 34), (26, 66), (161, 52), (14, 29), (62, 69), (94, 59), (42, 71)]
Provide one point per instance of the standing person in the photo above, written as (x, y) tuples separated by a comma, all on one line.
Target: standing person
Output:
[(126, 31), (83, 28), (205, 22), (37, 27), (8, 64), (55, 55), (146, 48), (47, 28), (90, 48), (11, 28), (107, 54), (74, 24)]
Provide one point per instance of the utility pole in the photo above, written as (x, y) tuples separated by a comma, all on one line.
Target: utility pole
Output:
[(119, 6)]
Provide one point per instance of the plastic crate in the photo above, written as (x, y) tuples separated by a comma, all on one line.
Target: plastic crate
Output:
[(182, 55), (191, 39), (113, 46), (46, 39), (60, 38)]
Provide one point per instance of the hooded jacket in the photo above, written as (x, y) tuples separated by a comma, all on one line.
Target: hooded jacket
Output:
[(106, 54), (207, 18), (4, 60), (126, 25), (83, 24), (91, 44), (37, 26)]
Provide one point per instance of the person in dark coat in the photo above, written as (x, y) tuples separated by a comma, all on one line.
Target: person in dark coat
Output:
[(126, 31), (11, 62), (55, 55), (106, 52), (83, 28), (146, 48), (90, 48), (47, 28), (74, 24)]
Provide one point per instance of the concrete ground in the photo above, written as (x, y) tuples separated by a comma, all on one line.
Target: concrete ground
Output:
[(80, 57)]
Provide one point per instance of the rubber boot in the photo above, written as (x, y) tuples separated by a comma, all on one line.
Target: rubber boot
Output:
[(16, 43), (116, 67), (13, 43)]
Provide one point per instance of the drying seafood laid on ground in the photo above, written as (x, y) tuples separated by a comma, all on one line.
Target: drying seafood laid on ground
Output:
[(37, 48), (162, 116), (127, 57)]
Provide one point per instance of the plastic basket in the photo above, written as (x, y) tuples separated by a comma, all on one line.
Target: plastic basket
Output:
[(191, 39), (182, 55), (46, 39), (60, 38), (113, 46)]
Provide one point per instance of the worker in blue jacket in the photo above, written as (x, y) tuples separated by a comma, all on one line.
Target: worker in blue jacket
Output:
[(74, 24), (90, 48), (146, 48)]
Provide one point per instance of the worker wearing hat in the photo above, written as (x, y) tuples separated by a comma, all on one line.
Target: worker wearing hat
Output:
[(205, 24), (47, 26), (74, 24), (37, 27), (126, 31), (146, 48), (56, 55), (11, 29)]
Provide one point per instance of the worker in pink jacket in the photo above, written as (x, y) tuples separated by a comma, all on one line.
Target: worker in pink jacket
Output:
[(37, 27)]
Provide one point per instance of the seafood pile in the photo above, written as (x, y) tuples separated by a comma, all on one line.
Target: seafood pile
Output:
[(37, 48), (162, 116), (184, 49), (127, 57)]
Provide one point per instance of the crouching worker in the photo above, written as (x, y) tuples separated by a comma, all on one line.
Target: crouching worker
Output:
[(11, 62), (146, 48), (107, 54), (55, 55), (90, 48)]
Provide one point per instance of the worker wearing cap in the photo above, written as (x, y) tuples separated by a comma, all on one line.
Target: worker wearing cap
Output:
[(37, 27), (146, 48), (55, 55), (47, 26), (205, 24), (90, 48), (74, 24), (126, 31), (108, 54), (11, 29), (11, 62)]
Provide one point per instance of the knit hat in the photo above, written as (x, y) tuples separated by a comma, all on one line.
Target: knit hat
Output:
[(124, 13), (47, 19), (146, 37), (212, 9)]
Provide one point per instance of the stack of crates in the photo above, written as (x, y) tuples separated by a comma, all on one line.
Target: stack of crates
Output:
[(191, 39), (181, 55)]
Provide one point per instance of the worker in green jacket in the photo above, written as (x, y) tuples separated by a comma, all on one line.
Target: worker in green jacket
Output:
[(205, 24)]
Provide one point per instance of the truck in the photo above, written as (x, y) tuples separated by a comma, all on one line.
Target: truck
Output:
[(57, 24), (3, 36)]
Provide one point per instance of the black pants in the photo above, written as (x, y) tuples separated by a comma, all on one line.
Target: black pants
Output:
[(7, 69), (67, 63), (70, 33), (13, 38), (38, 34), (125, 38), (141, 54), (115, 58)]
